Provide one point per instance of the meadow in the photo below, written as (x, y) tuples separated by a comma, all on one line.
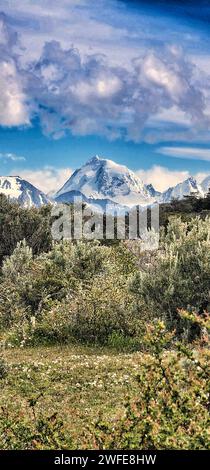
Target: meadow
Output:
[(76, 383)]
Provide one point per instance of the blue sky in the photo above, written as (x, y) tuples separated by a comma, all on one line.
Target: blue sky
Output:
[(126, 80)]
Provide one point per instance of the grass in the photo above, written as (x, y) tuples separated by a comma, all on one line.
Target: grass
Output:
[(78, 383)]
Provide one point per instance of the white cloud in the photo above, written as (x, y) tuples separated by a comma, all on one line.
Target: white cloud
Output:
[(48, 179), (78, 22), (161, 74), (11, 156), (202, 62), (13, 108), (88, 95), (190, 153), (104, 86), (72, 84), (172, 115), (162, 178), (13, 111)]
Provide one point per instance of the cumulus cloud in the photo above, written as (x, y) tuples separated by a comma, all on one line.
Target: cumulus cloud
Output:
[(13, 108), (173, 115), (86, 94), (12, 101), (191, 153), (162, 75), (162, 178), (48, 179)]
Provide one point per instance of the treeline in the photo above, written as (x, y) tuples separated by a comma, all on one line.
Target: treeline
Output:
[(34, 225), (17, 223), (189, 206)]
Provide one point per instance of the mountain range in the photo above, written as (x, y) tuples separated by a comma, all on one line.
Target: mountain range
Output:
[(20, 190), (100, 182)]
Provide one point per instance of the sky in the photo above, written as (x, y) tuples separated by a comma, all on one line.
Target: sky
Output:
[(127, 80)]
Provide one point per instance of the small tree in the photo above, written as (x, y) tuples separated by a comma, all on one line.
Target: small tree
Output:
[(18, 263), (179, 275), (168, 405)]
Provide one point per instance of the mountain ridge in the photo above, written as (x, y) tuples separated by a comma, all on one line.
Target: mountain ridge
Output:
[(20, 190), (101, 178), (98, 182)]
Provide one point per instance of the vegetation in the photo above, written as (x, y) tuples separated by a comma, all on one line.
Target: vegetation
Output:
[(17, 223), (121, 331), (187, 208)]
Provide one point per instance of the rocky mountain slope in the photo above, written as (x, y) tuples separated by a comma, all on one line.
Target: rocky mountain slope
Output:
[(17, 189)]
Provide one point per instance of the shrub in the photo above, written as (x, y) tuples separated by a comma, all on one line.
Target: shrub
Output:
[(123, 343), (102, 308), (90, 291), (178, 276), (96, 311), (77, 290), (169, 408), (17, 223), (32, 433)]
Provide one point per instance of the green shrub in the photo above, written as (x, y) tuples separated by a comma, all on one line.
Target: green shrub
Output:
[(123, 343), (169, 407), (18, 223), (31, 432), (76, 290), (178, 275), (90, 291)]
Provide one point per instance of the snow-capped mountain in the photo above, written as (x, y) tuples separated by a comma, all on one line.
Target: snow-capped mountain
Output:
[(152, 191), (206, 184), (186, 188), (17, 189), (101, 182), (101, 179)]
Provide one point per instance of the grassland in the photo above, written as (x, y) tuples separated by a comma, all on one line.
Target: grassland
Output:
[(78, 384)]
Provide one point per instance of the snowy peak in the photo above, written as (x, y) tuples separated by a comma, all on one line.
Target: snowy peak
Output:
[(94, 159), (101, 181), (186, 188), (10, 186), (152, 191), (206, 184), (17, 189), (101, 178)]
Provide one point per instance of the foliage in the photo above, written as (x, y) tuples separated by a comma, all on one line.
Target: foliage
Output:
[(75, 290), (32, 432), (171, 408), (178, 276), (80, 397), (17, 223), (67, 300), (19, 261), (187, 208), (90, 291)]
